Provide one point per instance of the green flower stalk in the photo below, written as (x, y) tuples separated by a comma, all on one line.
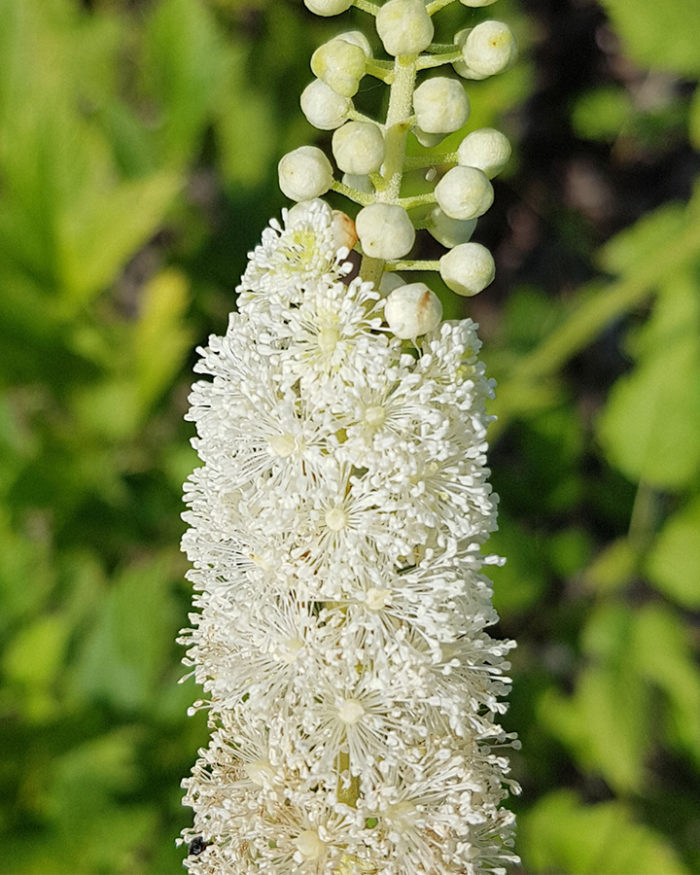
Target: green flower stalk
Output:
[(338, 519)]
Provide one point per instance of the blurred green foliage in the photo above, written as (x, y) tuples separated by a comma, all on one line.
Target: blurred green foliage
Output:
[(137, 150)]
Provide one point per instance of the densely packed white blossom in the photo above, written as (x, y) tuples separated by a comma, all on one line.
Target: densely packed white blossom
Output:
[(335, 534), (338, 522)]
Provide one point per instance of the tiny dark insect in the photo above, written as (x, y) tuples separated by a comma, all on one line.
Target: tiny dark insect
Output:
[(196, 846)]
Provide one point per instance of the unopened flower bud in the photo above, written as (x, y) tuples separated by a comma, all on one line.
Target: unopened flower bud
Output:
[(487, 49), (344, 231), (385, 231), (357, 38), (323, 107), (358, 147), (450, 232), (404, 27), (487, 149), (328, 7), (425, 139), (467, 269), (389, 282), (340, 64), (464, 193), (359, 183), (305, 173), (476, 3), (440, 105), (412, 310)]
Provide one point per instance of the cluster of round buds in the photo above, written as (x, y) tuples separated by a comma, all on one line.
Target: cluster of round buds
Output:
[(431, 106)]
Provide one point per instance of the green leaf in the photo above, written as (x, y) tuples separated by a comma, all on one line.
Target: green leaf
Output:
[(602, 113), (660, 35), (673, 564), (648, 234), (694, 119), (665, 657), (650, 427), (106, 225), (613, 568), (184, 70), (561, 835), (522, 580), (607, 722), (160, 339), (128, 648)]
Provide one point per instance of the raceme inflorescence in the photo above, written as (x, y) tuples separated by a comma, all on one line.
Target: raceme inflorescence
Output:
[(337, 523)]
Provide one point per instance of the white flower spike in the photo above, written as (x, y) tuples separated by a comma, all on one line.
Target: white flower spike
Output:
[(337, 523)]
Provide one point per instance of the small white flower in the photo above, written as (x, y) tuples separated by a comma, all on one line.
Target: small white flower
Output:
[(464, 193), (404, 27), (385, 231), (305, 173), (440, 105)]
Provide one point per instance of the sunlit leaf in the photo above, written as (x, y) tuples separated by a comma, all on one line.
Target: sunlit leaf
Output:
[(674, 562), (563, 835)]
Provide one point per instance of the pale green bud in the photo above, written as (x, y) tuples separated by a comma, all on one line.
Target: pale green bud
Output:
[(440, 105), (359, 183), (476, 3), (412, 310), (385, 231), (404, 27), (487, 49), (467, 269), (305, 173), (357, 38), (358, 147), (328, 7), (389, 282), (323, 107), (487, 149), (449, 232), (340, 64), (425, 139), (464, 193)]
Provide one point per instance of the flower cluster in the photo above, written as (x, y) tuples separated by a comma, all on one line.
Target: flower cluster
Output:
[(337, 525), (335, 534), (370, 154)]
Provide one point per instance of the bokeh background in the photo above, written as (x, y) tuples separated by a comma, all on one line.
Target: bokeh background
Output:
[(138, 143)]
